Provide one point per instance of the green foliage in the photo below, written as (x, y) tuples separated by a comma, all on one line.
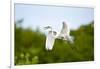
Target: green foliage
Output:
[(30, 47)]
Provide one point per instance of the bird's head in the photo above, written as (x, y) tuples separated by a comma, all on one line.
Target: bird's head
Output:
[(48, 27)]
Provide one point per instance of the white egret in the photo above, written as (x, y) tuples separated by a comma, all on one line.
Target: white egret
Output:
[(52, 35), (50, 39)]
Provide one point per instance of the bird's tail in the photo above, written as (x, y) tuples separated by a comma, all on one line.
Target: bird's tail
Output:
[(71, 39)]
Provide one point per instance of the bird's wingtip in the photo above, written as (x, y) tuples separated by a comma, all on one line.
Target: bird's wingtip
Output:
[(63, 22)]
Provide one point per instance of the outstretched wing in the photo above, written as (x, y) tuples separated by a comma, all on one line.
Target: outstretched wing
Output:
[(50, 39), (64, 31)]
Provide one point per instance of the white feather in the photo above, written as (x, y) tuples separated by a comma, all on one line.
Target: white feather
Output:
[(65, 33), (50, 39), (51, 36)]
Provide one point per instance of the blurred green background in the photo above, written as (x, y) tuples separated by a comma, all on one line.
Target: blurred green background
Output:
[(30, 46)]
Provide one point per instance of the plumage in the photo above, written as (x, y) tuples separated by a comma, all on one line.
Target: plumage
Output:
[(65, 33), (50, 39), (51, 36)]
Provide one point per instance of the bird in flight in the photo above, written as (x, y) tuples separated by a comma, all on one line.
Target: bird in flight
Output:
[(52, 35)]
